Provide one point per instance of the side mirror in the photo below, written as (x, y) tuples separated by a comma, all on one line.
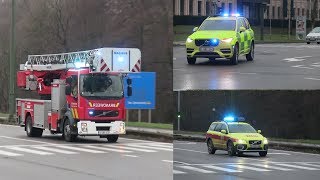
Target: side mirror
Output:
[(223, 131), (129, 91), (242, 29), (129, 81), (69, 80), (195, 29), (68, 90), (259, 131)]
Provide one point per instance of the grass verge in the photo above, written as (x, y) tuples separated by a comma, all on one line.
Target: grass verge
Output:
[(150, 125), (306, 141)]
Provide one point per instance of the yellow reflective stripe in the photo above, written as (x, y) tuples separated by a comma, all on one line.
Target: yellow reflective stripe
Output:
[(76, 113), (72, 113)]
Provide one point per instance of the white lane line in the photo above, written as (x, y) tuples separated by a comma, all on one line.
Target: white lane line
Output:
[(303, 57), (242, 73), (30, 151), (313, 165), (179, 69), (178, 172), (222, 169), (168, 161), (159, 145), (279, 153), (20, 139), (298, 167), (302, 66), (248, 167), (195, 169), (128, 155), (185, 143), (297, 152), (80, 149), (130, 148), (149, 147), (191, 150), (54, 150), (108, 149), (312, 78), (9, 153), (271, 166)]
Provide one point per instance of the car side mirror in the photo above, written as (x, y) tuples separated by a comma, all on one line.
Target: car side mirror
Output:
[(69, 80), (259, 131), (129, 91), (68, 90), (195, 29), (223, 131), (242, 29)]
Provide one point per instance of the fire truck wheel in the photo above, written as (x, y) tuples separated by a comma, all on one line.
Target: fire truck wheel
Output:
[(112, 138), (31, 131), (67, 132)]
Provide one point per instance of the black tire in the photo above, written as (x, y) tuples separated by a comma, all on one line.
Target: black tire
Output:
[(263, 153), (308, 42), (112, 138), (67, 132), (235, 57), (31, 131), (250, 56), (211, 149), (231, 149), (191, 60)]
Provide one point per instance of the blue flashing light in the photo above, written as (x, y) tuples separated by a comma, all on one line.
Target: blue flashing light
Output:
[(214, 42), (225, 15), (90, 112), (236, 14), (229, 118)]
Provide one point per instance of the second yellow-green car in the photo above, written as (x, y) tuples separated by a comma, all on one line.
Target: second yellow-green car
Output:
[(235, 137), (221, 37)]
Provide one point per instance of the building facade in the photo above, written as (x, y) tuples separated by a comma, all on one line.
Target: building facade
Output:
[(274, 9)]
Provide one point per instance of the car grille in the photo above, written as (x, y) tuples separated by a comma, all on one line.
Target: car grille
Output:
[(104, 113), (255, 141), (204, 42), (225, 51), (206, 54)]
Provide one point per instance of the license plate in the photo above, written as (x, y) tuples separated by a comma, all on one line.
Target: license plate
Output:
[(255, 146), (206, 49), (103, 132)]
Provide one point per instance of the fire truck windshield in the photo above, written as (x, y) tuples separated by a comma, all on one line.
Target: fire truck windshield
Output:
[(101, 86)]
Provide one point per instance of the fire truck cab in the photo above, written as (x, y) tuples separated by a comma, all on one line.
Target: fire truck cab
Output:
[(82, 92)]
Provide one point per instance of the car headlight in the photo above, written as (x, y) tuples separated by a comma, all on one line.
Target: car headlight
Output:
[(240, 141), (227, 40), (265, 141), (189, 40)]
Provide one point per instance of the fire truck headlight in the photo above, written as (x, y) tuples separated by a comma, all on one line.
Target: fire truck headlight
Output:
[(84, 127), (90, 113)]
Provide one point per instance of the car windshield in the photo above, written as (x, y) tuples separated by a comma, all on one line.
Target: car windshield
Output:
[(208, 25), (241, 128), (101, 86), (316, 30)]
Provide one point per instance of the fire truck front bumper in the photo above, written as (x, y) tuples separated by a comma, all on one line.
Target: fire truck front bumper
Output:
[(89, 128)]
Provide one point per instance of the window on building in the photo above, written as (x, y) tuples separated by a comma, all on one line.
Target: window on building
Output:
[(268, 14), (191, 7), (294, 12), (181, 7), (279, 13), (199, 8), (273, 12), (298, 11), (208, 8), (302, 12), (308, 15), (230, 8)]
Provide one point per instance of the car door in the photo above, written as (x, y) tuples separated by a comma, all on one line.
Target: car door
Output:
[(217, 135), (210, 131), (224, 137), (249, 34), (241, 36)]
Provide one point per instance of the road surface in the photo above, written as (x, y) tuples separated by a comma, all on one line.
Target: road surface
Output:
[(191, 161), (92, 158), (276, 66)]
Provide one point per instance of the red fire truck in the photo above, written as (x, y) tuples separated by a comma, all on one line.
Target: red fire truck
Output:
[(82, 93)]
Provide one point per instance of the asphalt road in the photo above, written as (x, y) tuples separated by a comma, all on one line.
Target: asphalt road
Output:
[(92, 158), (191, 161), (276, 66)]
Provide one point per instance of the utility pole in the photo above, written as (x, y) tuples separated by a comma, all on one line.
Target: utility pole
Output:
[(289, 19), (12, 64)]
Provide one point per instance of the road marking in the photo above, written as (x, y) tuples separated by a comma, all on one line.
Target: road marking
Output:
[(30, 151), (312, 79), (169, 161), (128, 155), (179, 69), (302, 66), (279, 153), (195, 169), (108, 149), (54, 150), (178, 172), (272, 167), (131, 148), (313, 165), (191, 150), (185, 143), (159, 145), (9, 153), (21, 139), (243, 73), (298, 167), (222, 169), (149, 147), (248, 167), (80, 149), (296, 152)]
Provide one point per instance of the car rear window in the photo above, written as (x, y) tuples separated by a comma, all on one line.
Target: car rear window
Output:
[(241, 128), (209, 25)]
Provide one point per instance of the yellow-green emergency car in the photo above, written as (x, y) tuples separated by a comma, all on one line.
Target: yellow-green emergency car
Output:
[(235, 137), (221, 37)]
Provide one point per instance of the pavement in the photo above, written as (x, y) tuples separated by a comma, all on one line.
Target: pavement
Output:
[(192, 161), (276, 66), (51, 158)]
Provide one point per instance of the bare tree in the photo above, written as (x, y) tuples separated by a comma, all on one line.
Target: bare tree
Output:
[(314, 12)]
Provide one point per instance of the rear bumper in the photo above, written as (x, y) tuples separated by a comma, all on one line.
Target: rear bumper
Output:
[(89, 128)]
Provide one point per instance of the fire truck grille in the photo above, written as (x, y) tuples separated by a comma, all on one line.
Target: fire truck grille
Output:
[(104, 113)]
